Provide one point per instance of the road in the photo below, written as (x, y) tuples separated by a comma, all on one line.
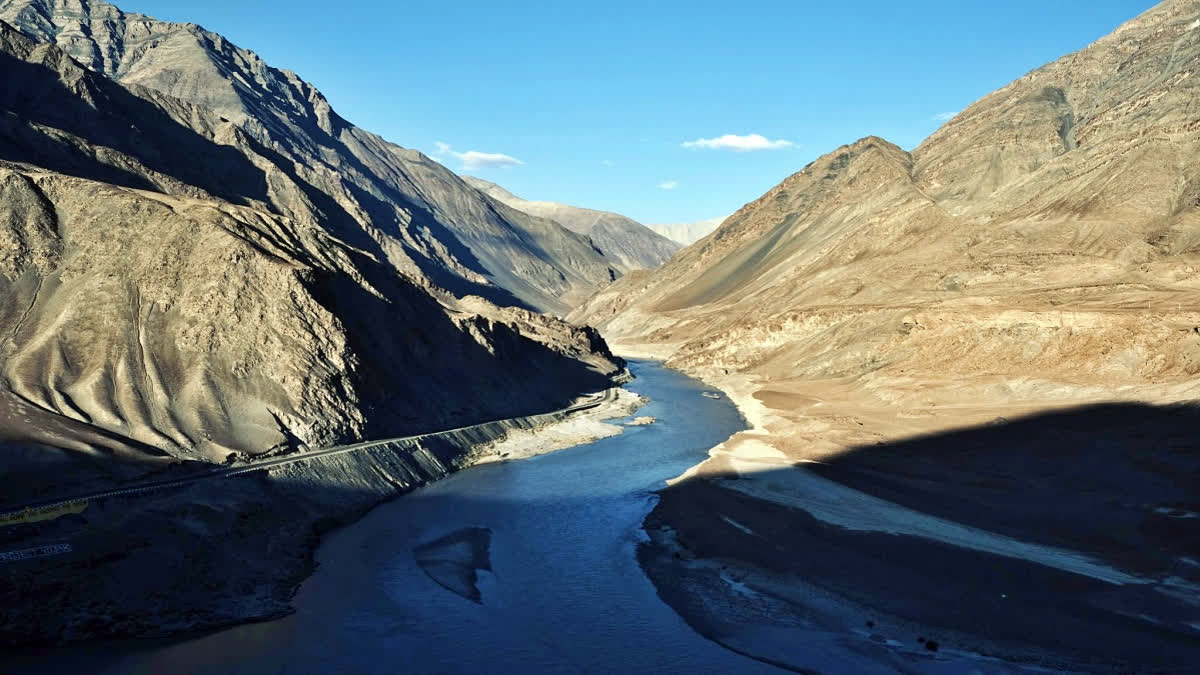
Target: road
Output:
[(250, 467)]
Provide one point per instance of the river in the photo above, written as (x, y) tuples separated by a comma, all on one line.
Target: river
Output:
[(564, 593)]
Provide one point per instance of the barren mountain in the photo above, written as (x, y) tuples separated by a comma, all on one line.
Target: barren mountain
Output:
[(631, 244), (397, 204), (1038, 252), (173, 287), (1047, 232), (687, 233)]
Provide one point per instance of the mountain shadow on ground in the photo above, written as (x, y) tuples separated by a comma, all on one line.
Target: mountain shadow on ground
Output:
[(1117, 484)]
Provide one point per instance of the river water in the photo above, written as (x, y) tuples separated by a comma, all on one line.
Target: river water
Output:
[(564, 594)]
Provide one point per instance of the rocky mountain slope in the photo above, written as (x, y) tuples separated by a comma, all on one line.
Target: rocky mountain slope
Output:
[(1049, 230), (687, 233), (397, 204), (632, 245), (176, 284)]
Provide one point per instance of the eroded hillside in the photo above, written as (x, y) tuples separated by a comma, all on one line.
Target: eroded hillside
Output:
[(950, 357)]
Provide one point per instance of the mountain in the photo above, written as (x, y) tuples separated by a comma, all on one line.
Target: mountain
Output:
[(687, 233), (938, 329), (183, 282), (394, 203), (627, 241), (1056, 213)]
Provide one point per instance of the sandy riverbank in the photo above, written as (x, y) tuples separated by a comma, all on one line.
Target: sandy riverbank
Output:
[(580, 428), (1061, 540)]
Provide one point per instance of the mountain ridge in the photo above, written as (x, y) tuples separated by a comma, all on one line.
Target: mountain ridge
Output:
[(927, 193), (183, 287), (397, 203)]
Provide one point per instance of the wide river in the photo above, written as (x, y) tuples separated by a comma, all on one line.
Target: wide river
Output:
[(565, 593)]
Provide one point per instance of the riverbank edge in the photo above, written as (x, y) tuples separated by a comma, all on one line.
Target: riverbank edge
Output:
[(116, 585), (670, 564), (692, 583), (675, 570)]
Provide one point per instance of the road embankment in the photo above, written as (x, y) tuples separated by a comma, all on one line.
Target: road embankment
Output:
[(233, 547)]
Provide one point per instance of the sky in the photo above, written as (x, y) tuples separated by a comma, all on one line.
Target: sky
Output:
[(662, 110)]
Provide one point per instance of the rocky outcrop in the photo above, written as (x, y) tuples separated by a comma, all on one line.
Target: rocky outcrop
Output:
[(630, 244), (200, 262)]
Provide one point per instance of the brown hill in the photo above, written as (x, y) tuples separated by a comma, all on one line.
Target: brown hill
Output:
[(1048, 232)]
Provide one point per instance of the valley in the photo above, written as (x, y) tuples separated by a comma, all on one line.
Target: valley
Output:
[(280, 395)]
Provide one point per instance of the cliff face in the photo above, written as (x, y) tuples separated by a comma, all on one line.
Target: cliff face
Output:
[(630, 244), (397, 204), (1048, 231), (176, 281)]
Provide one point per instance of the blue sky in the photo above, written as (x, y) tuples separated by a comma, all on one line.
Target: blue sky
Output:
[(597, 100)]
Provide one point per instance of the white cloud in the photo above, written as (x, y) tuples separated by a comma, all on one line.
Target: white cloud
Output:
[(668, 185), (942, 117), (473, 160), (748, 143)]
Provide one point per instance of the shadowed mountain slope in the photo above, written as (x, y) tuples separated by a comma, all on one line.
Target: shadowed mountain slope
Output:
[(1063, 540)]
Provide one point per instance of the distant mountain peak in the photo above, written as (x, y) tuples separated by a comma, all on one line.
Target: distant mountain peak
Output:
[(634, 245), (687, 233)]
